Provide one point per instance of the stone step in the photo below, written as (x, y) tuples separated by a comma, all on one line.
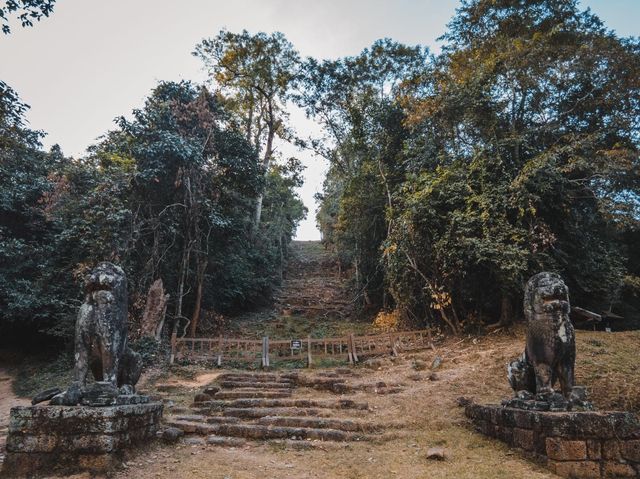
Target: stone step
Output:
[(189, 417), (177, 410), (254, 413), (191, 427), (320, 382), (254, 380), (203, 408), (336, 385), (222, 419), (255, 393), (248, 376), (265, 432), (256, 385), (294, 300), (319, 423), (327, 308), (225, 441), (231, 419), (260, 431)]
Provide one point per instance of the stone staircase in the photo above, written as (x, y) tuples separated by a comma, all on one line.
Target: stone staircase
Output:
[(264, 406), (313, 286)]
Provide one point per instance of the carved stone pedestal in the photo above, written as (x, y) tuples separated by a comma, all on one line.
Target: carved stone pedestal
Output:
[(65, 439)]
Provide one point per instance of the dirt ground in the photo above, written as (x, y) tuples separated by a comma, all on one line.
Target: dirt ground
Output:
[(471, 367), (425, 414)]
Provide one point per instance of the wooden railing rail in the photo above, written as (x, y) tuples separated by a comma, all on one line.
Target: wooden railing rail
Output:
[(349, 347)]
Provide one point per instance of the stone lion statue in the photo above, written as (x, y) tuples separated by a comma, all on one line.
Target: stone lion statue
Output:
[(101, 330), (550, 351), (101, 339)]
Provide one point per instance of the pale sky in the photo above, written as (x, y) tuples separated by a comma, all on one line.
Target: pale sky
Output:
[(94, 60)]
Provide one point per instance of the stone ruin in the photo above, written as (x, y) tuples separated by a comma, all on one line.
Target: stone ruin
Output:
[(90, 425), (558, 429)]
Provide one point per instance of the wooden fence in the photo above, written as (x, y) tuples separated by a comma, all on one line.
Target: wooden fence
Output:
[(350, 347)]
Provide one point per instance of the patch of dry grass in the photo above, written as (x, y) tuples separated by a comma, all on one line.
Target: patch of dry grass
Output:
[(608, 364)]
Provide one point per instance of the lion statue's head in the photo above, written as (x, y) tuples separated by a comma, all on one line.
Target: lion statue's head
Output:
[(546, 294), (106, 279)]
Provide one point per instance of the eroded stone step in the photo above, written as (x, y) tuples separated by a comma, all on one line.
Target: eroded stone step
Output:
[(238, 394), (337, 385), (222, 419), (214, 440), (178, 410), (248, 376), (225, 441), (311, 381), (279, 402), (319, 423), (316, 307), (190, 427), (189, 417), (256, 380), (254, 413), (260, 431), (208, 419), (255, 385)]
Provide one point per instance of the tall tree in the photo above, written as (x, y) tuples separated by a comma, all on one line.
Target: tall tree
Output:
[(255, 73), (528, 156), (354, 99)]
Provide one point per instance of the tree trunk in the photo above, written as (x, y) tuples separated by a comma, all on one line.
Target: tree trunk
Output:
[(506, 311), (506, 314), (195, 317), (265, 164), (449, 322), (184, 265), (154, 311)]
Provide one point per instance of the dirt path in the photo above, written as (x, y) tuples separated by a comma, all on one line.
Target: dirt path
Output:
[(426, 409), (7, 401), (313, 286), (314, 299)]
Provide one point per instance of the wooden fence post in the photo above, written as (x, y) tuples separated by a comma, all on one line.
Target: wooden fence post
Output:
[(350, 350), (352, 343), (392, 344), (265, 352), (309, 361), (174, 341)]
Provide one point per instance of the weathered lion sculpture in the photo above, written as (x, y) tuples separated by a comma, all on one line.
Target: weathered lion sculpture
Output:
[(550, 351), (101, 330), (101, 339)]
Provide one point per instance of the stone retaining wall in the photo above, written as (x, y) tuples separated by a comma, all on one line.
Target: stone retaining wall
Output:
[(571, 444), (47, 439)]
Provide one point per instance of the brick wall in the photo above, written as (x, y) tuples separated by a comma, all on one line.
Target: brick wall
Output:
[(572, 444)]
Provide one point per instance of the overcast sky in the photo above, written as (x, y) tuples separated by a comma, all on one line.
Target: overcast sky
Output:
[(94, 60)]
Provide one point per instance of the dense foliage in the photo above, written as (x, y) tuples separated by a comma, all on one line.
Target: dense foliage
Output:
[(169, 194), (514, 151)]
